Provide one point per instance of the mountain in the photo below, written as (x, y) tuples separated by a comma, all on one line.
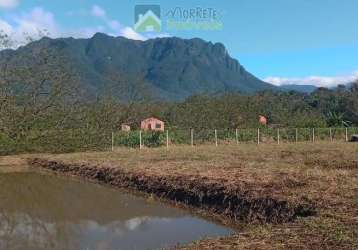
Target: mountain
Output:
[(161, 68), (298, 88)]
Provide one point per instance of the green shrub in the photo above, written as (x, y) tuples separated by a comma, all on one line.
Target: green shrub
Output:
[(7, 145), (153, 138), (131, 139), (127, 139)]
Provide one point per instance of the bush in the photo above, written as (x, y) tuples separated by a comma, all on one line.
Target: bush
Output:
[(131, 139), (153, 138), (7, 145), (127, 139)]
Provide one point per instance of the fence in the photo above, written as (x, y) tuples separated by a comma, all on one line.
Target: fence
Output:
[(74, 140), (229, 136)]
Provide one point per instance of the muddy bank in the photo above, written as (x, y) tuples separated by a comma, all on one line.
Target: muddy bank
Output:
[(231, 201), (10, 164)]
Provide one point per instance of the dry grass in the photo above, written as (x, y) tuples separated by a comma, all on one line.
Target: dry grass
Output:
[(325, 174), (13, 163)]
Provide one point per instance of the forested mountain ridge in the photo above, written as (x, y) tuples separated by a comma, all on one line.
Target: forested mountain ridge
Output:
[(160, 69)]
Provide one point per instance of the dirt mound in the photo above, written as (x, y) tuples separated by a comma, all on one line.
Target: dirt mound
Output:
[(228, 200)]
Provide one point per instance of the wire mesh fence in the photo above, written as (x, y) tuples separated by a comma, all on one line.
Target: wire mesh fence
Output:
[(72, 140), (230, 136)]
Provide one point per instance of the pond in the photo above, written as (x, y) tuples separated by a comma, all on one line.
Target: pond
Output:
[(39, 211)]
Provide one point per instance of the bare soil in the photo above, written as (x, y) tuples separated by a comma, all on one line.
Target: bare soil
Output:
[(13, 163)]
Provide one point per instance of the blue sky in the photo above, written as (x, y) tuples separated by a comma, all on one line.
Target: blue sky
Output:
[(281, 41)]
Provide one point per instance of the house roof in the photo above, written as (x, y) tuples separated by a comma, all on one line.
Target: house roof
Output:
[(148, 14), (151, 118)]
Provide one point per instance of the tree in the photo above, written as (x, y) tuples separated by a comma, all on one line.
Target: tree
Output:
[(335, 119)]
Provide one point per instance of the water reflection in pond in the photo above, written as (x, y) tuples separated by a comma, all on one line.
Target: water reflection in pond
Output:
[(47, 212)]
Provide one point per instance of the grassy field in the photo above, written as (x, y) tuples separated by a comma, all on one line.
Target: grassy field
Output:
[(322, 174)]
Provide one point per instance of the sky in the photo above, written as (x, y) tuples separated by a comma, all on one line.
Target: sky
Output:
[(280, 41)]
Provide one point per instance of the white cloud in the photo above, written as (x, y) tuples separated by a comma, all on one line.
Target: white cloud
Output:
[(97, 11), (128, 32), (117, 29), (5, 27), (39, 22), (134, 223), (115, 25), (8, 4), (34, 24), (319, 81)]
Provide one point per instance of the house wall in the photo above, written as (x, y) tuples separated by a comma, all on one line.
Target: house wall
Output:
[(151, 124), (125, 127), (262, 120)]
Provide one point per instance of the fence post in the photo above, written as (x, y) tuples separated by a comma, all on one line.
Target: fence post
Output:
[(216, 138), (167, 139), (112, 141), (258, 136), (346, 134), (278, 136), (330, 134), (296, 135), (237, 136), (313, 135), (140, 139), (192, 137)]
